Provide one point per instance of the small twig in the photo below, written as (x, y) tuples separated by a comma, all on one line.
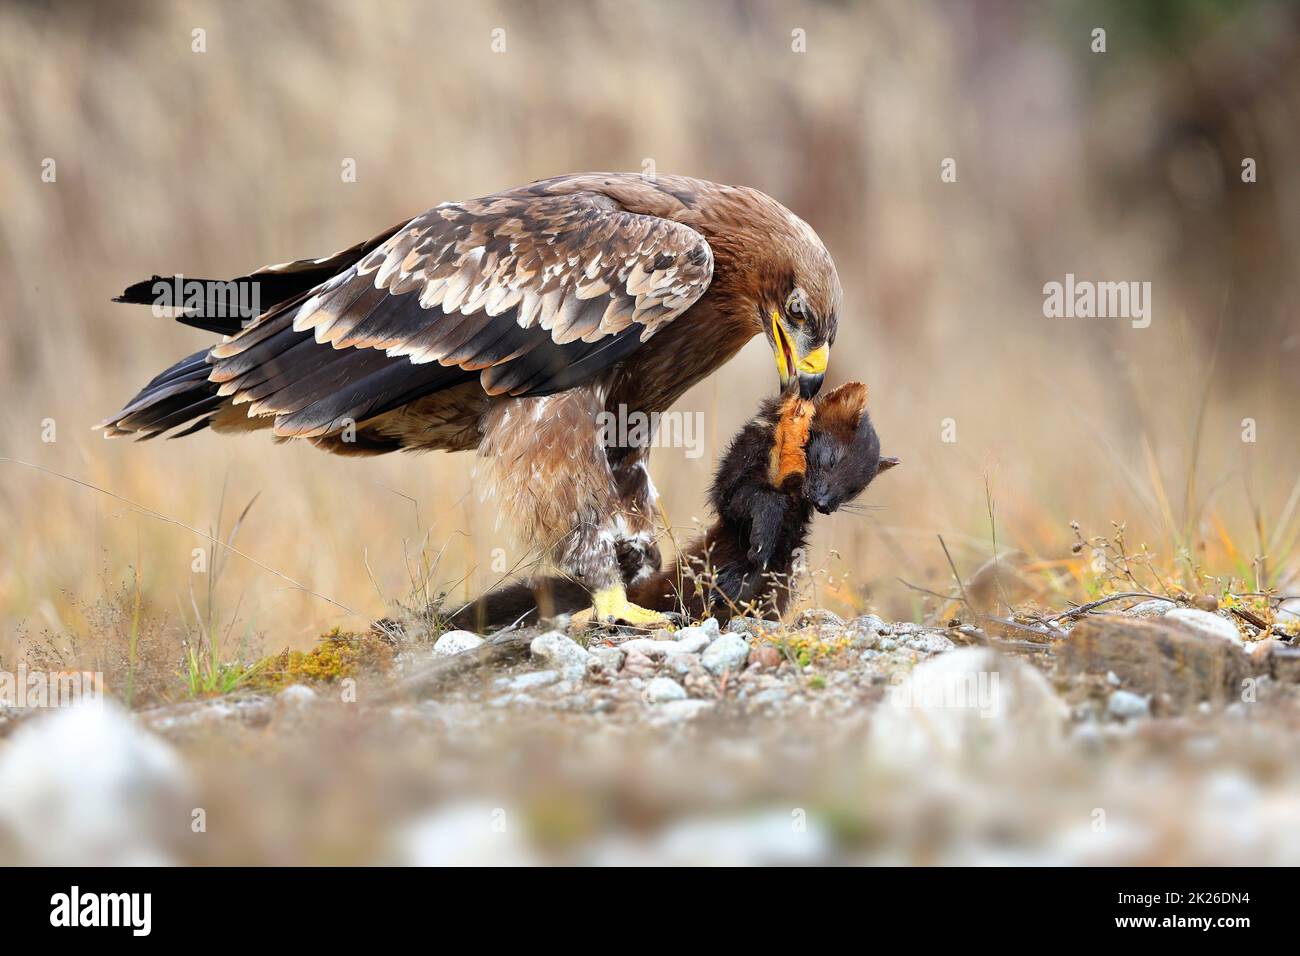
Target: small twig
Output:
[(1279, 598), (1257, 622), (917, 587), (1016, 625), (1093, 605)]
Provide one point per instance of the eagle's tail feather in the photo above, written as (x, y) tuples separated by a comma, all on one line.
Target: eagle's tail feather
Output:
[(180, 395), (224, 306)]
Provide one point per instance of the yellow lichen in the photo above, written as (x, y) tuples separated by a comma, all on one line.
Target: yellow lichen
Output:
[(809, 645), (339, 654)]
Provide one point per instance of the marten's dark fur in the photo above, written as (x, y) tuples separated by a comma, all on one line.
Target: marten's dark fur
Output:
[(791, 458)]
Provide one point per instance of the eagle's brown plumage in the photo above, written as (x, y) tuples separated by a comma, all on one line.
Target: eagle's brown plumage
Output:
[(506, 324)]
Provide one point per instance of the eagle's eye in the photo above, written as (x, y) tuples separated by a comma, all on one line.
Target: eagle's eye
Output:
[(796, 306)]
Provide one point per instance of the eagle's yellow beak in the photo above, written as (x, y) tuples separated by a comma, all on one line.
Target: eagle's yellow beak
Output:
[(810, 368)]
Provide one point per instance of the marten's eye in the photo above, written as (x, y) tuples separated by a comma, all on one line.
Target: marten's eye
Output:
[(828, 457)]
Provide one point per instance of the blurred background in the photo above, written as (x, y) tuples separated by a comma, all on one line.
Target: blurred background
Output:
[(127, 152), (1122, 165)]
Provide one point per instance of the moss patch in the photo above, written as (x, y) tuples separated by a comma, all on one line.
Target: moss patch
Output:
[(339, 654)]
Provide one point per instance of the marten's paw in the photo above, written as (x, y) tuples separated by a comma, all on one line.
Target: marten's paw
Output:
[(766, 514)]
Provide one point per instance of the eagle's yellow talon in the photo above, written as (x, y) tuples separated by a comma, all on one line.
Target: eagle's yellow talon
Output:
[(611, 606)]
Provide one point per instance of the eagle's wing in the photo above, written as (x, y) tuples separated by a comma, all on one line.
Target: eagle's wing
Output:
[(534, 293)]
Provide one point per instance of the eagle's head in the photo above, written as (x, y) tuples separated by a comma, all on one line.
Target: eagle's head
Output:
[(799, 305), (771, 272)]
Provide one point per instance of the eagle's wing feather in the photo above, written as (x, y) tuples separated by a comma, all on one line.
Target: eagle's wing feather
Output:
[(533, 291)]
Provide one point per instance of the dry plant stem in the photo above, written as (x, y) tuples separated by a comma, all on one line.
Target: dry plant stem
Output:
[(935, 594), (960, 583), (1092, 605)]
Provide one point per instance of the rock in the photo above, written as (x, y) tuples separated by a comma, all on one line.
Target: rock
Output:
[(1261, 653), (971, 704), (862, 639), (696, 643), (251, 710), (557, 650), (867, 630), (675, 711), (464, 834), (773, 695), (1182, 664), (817, 617), (513, 700), (886, 644), (761, 838), (728, 653), (1127, 705), (870, 623), (752, 626), (453, 642), (297, 695), (700, 683), (696, 639), (931, 642), (86, 786), (683, 664), (1206, 622), (1284, 664), (765, 657), (658, 650), (1156, 607), (636, 664), (661, 690), (610, 658), (709, 627), (529, 681)]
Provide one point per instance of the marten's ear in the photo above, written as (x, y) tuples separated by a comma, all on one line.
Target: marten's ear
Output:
[(840, 410)]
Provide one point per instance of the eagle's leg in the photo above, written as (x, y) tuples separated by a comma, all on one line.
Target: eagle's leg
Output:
[(554, 483), (634, 542)]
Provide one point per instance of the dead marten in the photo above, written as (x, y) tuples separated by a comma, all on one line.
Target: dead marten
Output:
[(794, 456)]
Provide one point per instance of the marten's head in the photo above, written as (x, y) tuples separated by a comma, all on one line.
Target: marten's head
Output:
[(843, 452)]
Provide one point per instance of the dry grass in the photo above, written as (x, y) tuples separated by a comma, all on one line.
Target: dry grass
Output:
[(213, 163)]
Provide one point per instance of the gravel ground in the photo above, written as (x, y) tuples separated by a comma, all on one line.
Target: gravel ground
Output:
[(1127, 738)]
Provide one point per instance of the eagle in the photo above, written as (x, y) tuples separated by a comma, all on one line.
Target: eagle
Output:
[(509, 324)]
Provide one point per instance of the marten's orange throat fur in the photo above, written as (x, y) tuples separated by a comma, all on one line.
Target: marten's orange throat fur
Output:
[(788, 458)]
